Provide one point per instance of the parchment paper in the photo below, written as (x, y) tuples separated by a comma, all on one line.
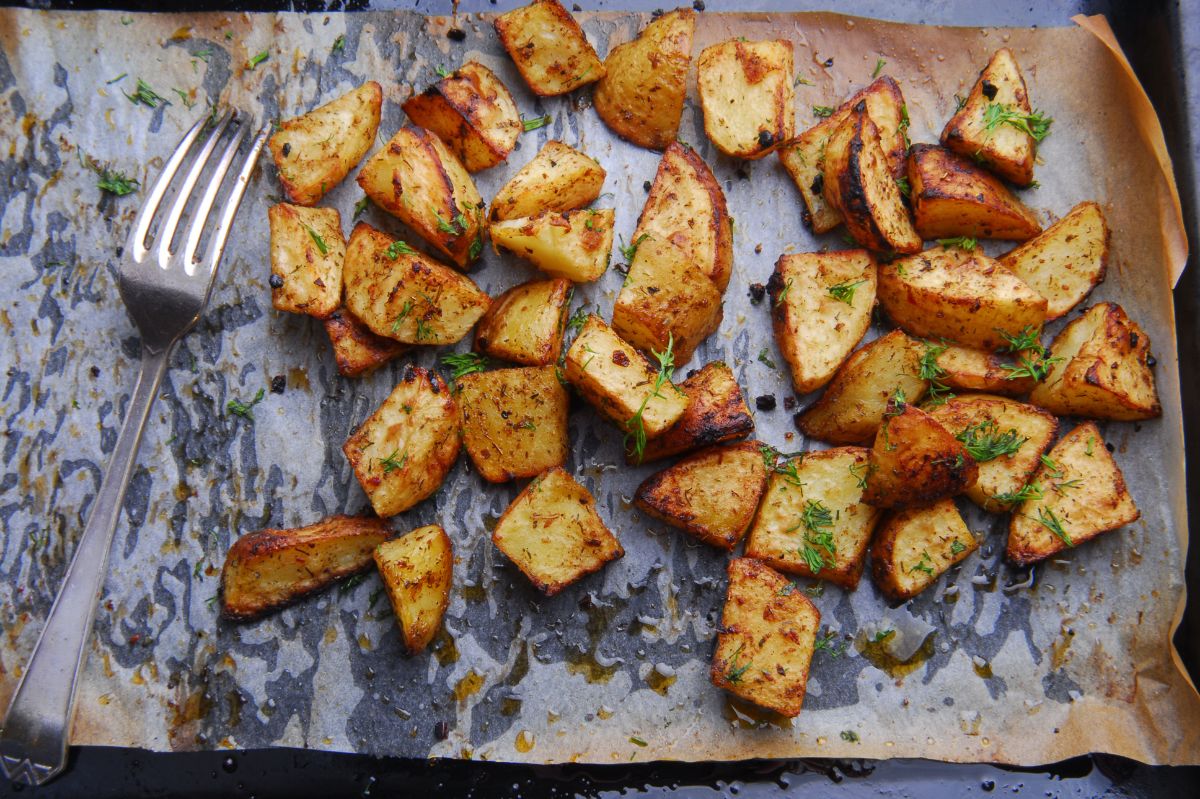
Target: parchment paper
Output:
[(614, 669)]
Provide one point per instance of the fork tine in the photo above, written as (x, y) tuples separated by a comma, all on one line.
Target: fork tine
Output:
[(216, 244), (200, 217), (141, 225), (170, 223)]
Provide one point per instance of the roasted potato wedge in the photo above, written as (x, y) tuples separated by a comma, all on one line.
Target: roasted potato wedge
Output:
[(472, 112), (915, 460), (1104, 371), (858, 183), (747, 95), (620, 383), (356, 350), (307, 251), (966, 369), (952, 196), (575, 245), (850, 410), (559, 178), (548, 47), (711, 494), (804, 156), (916, 546), (821, 308), (967, 298), (641, 95), (403, 451), (1005, 149), (400, 293), (812, 520), (314, 152), (767, 638), (514, 421), (416, 571), (1066, 261), (716, 413), (1005, 437), (553, 533), (666, 302), (525, 324), (1080, 493), (417, 179), (686, 207), (270, 569)]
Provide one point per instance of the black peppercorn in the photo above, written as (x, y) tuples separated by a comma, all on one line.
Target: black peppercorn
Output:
[(276, 281), (645, 185), (989, 90), (789, 403), (765, 403), (441, 730), (287, 149), (757, 292), (1151, 361), (278, 384), (698, 5), (456, 35)]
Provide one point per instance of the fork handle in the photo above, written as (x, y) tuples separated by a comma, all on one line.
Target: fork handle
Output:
[(33, 742)]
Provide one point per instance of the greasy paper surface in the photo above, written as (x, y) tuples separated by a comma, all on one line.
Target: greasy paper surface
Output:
[(1004, 672)]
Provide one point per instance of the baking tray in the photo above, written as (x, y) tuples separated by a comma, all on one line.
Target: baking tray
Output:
[(1156, 36)]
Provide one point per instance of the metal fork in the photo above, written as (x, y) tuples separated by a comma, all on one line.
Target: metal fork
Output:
[(165, 297)]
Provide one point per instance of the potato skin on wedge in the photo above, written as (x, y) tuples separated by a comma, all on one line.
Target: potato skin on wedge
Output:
[(915, 461), (356, 350), (767, 638), (548, 47), (915, 546), (558, 178), (716, 413), (952, 196), (472, 112), (417, 569), (821, 306), (1066, 261), (1104, 371), (270, 569), (525, 324), (747, 95), (644, 86), (968, 369), (1081, 494), (967, 298), (711, 494), (315, 151)]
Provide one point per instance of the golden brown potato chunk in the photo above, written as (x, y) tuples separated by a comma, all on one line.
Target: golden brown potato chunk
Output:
[(641, 95), (402, 294), (858, 183), (622, 385), (548, 47), (356, 350), (916, 546), (716, 413), (966, 369), (666, 302), (951, 196), (472, 112), (553, 533), (915, 460), (821, 308), (314, 152), (417, 179), (575, 245), (1005, 437), (686, 207), (812, 520), (1066, 261), (269, 569), (1077, 494), (850, 410), (804, 156), (965, 297), (711, 494), (514, 421), (559, 178), (746, 94), (401, 454), (768, 634), (525, 324), (307, 250), (416, 570), (979, 130), (1102, 369)]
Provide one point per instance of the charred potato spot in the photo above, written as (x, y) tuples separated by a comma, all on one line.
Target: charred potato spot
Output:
[(356, 350)]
